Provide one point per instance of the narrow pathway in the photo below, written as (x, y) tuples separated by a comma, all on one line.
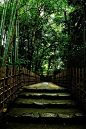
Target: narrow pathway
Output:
[(45, 103)]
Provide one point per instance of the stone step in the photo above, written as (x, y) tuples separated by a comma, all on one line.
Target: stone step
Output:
[(21, 102), (46, 95), (45, 102), (51, 90), (47, 114)]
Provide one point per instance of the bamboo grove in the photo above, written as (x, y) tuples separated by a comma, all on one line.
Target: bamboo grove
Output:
[(44, 35)]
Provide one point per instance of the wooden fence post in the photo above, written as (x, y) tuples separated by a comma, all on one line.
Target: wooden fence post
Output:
[(85, 81), (23, 77), (83, 78), (11, 80), (83, 85), (0, 73), (35, 78), (60, 79), (67, 78), (28, 77), (79, 83), (70, 78), (14, 84), (73, 87), (76, 77), (56, 77), (18, 76), (24, 74), (64, 77), (4, 87)]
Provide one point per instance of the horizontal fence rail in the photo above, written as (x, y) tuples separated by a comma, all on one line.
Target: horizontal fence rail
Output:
[(75, 80), (11, 82)]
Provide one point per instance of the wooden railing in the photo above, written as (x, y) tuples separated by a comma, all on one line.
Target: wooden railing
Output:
[(12, 81), (75, 80)]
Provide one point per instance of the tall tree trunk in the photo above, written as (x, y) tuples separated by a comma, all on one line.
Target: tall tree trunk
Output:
[(36, 24)]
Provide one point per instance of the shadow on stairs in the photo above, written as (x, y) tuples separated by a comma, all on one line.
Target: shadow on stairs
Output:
[(44, 105)]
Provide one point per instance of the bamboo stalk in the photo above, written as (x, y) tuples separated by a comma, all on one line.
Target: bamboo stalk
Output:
[(12, 20), (3, 20), (9, 40)]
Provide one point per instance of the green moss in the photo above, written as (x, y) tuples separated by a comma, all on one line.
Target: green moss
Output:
[(20, 111), (30, 93), (43, 101)]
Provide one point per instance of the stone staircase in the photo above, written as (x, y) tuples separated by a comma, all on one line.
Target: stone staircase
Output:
[(45, 102)]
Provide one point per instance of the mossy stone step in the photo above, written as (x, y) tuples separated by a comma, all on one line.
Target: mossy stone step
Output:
[(46, 95), (49, 114), (21, 102), (45, 113), (31, 115), (20, 111), (44, 86), (45, 90)]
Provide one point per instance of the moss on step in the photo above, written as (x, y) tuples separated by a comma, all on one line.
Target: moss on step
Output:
[(20, 111), (43, 86), (31, 93), (21, 100)]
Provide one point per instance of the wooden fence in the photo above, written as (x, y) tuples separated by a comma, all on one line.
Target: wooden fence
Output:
[(75, 80), (12, 81)]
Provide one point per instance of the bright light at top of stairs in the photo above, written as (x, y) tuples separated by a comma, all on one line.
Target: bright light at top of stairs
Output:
[(45, 83)]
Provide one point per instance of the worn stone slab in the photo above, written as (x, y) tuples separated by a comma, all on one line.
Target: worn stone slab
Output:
[(48, 114), (65, 116), (44, 85), (31, 115), (45, 94), (63, 95), (25, 103), (79, 114), (35, 94), (39, 103), (44, 103), (52, 94)]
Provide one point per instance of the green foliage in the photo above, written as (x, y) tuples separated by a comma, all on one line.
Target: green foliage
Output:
[(1, 58), (20, 78), (20, 69), (1, 10), (3, 71), (49, 34)]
